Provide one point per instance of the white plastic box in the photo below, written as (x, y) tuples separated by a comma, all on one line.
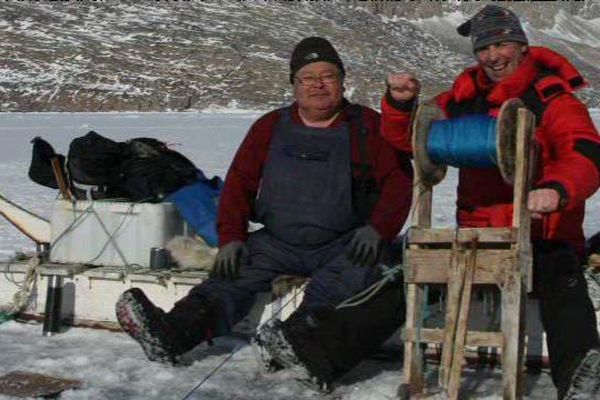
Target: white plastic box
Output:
[(111, 233)]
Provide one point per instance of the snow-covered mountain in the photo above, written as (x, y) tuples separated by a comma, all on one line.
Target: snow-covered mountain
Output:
[(195, 55)]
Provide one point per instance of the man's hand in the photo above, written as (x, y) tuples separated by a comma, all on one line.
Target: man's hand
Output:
[(364, 246), (542, 201), (227, 262), (403, 86)]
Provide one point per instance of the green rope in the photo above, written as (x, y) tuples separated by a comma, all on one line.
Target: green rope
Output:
[(388, 275), (6, 316)]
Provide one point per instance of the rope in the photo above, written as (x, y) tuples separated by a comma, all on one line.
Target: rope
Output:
[(463, 142), (388, 275), (21, 297), (86, 212), (111, 236)]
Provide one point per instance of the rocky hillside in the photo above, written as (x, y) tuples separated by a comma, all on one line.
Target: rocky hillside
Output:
[(195, 55)]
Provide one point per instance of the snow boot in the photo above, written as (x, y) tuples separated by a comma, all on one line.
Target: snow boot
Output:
[(278, 352), (148, 325), (585, 384), (273, 349)]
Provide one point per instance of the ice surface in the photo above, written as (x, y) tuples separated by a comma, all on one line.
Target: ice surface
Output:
[(112, 366)]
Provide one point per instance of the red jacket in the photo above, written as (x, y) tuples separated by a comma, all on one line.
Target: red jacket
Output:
[(569, 158), (392, 172)]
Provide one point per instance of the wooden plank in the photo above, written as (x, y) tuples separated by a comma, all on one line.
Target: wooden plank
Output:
[(188, 277), (186, 280), (413, 368), (521, 184), (525, 160), (431, 266), (473, 339), (506, 138), (107, 273), (60, 178), (513, 318), (67, 270), (456, 274), (149, 277), (427, 172), (414, 380), (446, 235), (422, 196), (463, 317)]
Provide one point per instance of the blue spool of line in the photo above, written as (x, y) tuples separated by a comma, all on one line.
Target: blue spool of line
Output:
[(468, 141)]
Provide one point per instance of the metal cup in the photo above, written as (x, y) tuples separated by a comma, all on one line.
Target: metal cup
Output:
[(159, 258)]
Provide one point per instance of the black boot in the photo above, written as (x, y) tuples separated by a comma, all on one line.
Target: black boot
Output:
[(324, 344), (293, 347), (148, 325), (585, 384), (165, 336)]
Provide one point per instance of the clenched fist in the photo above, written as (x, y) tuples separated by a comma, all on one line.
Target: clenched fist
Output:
[(542, 201), (403, 86)]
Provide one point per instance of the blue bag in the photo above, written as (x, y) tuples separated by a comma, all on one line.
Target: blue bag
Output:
[(197, 203)]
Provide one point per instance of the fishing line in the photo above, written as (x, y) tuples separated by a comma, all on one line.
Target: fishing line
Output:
[(230, 355), (468, 141), (389, 274)]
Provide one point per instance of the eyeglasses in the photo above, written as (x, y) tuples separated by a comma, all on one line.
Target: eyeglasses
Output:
[(328, 78)]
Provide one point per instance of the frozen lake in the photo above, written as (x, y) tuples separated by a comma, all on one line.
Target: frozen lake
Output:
[(209, 140)]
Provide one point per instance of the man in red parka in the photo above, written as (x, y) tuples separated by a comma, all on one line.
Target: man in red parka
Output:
[(328, 190), (568, 173)]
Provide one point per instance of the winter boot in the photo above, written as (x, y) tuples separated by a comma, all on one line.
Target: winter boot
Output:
[(273, 349), (277, 352), (585, 384), (148, 325)]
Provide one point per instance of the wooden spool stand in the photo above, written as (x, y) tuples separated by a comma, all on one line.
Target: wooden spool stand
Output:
[(461, 258)]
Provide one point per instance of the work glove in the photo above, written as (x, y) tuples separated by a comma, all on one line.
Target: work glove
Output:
[(228, 260), (364, 246)]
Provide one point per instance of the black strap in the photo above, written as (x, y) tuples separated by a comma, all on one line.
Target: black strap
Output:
[(356, 121), (365, 189), (534, 104)]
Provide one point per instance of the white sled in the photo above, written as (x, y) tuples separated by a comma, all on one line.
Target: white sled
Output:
[(99, 249)]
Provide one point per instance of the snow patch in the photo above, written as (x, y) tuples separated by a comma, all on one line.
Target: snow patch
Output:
[(575, 29)]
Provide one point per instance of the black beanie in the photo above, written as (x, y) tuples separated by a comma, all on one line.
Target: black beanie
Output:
[(313, 49), (493, 24)]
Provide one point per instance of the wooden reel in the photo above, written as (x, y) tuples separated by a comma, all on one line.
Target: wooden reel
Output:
[(431, 173)]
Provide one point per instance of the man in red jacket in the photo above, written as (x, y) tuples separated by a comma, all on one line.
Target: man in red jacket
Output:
[(567, 175), (328, 190)]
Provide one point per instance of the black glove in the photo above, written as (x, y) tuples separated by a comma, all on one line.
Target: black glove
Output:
[(364, 246), (227, 262)]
